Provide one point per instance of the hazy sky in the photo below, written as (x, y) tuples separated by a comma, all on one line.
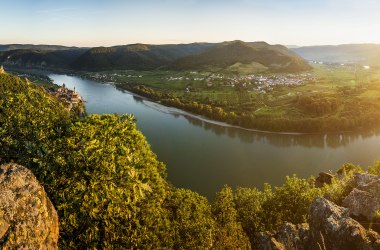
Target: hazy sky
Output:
[(113, 22)]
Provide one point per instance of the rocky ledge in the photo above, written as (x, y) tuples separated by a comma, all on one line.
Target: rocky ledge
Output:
[(28, 219), (331, 226)]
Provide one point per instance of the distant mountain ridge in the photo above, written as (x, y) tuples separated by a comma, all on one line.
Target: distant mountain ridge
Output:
[(276, 58), (347, 53), (225, 55), (7, 47)]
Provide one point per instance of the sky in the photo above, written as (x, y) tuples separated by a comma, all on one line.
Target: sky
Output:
[(116, 22)]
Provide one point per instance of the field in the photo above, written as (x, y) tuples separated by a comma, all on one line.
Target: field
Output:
[(329, 98)]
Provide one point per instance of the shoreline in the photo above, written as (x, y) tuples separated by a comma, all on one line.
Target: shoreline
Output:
[(157, 105)]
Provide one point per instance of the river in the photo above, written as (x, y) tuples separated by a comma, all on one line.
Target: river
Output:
[(203, 156)]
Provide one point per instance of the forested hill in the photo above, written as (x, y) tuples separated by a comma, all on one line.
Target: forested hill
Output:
[(212, 56), (135, 56), (276, 58), (7, 47), (110, 191)]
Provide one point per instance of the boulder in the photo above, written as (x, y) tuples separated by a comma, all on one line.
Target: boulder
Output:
[(332, 228), (364, 200), (323, 178), (28, 219)]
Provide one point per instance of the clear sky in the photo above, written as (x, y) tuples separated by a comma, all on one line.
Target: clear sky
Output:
[(114, 22)]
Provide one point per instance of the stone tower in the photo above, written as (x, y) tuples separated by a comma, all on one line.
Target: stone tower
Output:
[(2, 71)]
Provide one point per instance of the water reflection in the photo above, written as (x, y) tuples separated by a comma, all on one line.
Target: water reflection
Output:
[(284, 140)]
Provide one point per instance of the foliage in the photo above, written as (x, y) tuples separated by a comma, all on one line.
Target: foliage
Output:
[(110, 190), (229, 234), (291, 201), (249, 205), (193, 225), (341, 185), (349, 169), (375, 169), (107, 170), (30, 120)]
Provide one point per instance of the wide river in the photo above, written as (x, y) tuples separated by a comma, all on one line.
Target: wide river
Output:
[(203, 156)]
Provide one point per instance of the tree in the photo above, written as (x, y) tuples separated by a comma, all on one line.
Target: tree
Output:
[(229, 232), (191, 218)]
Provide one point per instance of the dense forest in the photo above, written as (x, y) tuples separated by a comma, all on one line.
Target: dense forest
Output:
[(111, 192)]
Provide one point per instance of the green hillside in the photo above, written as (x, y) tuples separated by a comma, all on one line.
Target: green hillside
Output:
[(253, 57), (40, 58), (274, 57), (135, 56)]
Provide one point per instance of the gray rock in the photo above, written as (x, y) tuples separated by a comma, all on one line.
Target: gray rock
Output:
[(323, 178), (364, 200), (28, 219), (332, 228), (266, 241), (361, 180)]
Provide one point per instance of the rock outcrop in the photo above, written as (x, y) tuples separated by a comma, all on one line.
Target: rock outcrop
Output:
[(28, 219), (332, 228), (288, 236), (364, 199), (323, 178)]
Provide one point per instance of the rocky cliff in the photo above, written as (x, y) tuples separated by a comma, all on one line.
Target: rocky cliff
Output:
[(28, 219)]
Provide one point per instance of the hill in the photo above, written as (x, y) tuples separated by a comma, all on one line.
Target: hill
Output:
[(275, 58), (41, 58), (135, 56), (368, 54), (234, 56), (7, 47)]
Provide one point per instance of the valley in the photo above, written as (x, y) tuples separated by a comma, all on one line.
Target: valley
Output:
[(328, 98)]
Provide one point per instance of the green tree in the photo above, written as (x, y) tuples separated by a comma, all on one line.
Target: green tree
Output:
[(191, 220), (290, 202), (229, 232)]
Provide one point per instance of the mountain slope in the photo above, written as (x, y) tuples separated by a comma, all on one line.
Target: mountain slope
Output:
[(276, 58), (135, 56), (34, 58), (347, 53), (7, 47)]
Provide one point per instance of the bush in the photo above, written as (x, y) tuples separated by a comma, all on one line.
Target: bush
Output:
[(375, 169)]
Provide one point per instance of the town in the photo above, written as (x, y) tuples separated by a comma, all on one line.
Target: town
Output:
[(257, 83), (261, 83)]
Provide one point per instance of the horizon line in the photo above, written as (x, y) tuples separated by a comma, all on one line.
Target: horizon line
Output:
[(115, 45)]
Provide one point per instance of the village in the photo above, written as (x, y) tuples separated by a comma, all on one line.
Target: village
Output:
[(261, 83), (72, 98), (256, 83)]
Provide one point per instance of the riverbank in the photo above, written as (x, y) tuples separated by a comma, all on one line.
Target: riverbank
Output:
[(204, 157), (315, 107)]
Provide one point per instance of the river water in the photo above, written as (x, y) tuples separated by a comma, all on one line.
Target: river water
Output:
[(203, 156)]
